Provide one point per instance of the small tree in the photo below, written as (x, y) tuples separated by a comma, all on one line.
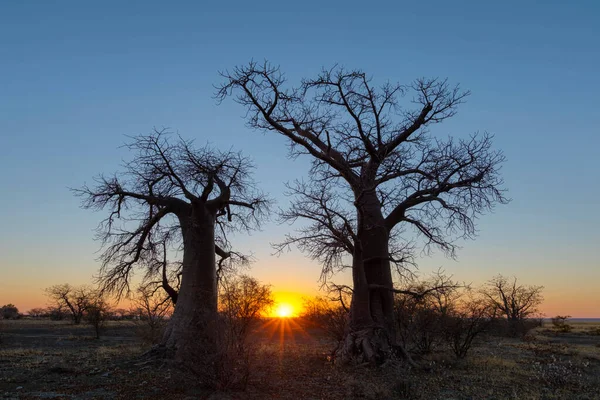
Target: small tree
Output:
[(9, 311), (422, 309), (467, 320), (71, 299), (326, 315), (242, 301), (97, 312), (560, 323), (516, 302), (151, 308)]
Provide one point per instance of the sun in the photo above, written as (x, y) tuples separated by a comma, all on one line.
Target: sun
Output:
[(284, 310)]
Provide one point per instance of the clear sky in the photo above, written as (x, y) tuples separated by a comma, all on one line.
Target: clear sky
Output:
[(75, 77)]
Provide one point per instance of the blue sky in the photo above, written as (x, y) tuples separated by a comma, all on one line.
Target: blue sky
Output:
[(76, 77)]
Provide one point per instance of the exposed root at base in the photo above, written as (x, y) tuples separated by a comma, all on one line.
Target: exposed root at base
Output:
[(371, 346)]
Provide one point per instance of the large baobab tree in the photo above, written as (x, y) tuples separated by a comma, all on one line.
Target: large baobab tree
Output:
[(376, 172), (172, 194)]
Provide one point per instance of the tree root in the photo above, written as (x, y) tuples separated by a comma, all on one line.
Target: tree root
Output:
[(371, 346)]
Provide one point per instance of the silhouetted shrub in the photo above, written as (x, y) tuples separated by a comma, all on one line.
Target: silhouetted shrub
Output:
[(560, 323), (243, 301), (424, 310), (57, 314), (327, 316), (9, 311), (149, 313), (97, 312), (38, 313), (594, 331), (466, 322)]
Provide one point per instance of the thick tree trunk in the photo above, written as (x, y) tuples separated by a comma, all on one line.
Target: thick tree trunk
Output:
[(191, 333), (372, 335)]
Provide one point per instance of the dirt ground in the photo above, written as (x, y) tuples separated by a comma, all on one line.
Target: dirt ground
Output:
[(56, 360)]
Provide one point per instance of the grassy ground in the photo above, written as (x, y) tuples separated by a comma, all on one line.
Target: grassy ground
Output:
[(44, 359)]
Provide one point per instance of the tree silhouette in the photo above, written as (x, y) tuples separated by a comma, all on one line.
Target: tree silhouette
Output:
[(512, 300), (174, 196), (376, 172), (73, 299)]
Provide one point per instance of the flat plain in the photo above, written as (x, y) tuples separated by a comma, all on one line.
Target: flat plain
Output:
[(42, 359)]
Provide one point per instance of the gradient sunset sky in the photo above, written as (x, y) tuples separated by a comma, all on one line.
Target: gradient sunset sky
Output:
[(76, 77)]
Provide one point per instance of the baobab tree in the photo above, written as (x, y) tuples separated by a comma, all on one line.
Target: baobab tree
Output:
[(376, 172), (187, 199), (164, 274)]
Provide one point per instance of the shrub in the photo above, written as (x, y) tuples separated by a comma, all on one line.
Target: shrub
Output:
[(469, 320), (97, 312), (420, 325), (57, 313), (328, 317), (560, 323), (594, 331), (242, 302), (423, 310), (150, 312), (9, 311), (38, 313)]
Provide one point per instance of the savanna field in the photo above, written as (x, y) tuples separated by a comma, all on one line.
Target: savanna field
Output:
[(290, 358)]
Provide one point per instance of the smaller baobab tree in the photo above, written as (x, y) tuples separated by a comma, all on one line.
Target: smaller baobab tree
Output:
[(188, 200)]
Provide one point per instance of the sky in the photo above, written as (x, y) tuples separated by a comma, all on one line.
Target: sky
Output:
[(76, 77)]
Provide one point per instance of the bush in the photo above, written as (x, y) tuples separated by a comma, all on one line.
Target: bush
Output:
[(465, 324), (150, 312), (57, 314), (440, 312), (425, 310), (9, 311), (97, 312), (330, 318), (560, 323), (420, 325), (594, 331), (242, 302)]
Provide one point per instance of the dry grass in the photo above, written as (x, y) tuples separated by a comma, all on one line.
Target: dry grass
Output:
[(290, 362)]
